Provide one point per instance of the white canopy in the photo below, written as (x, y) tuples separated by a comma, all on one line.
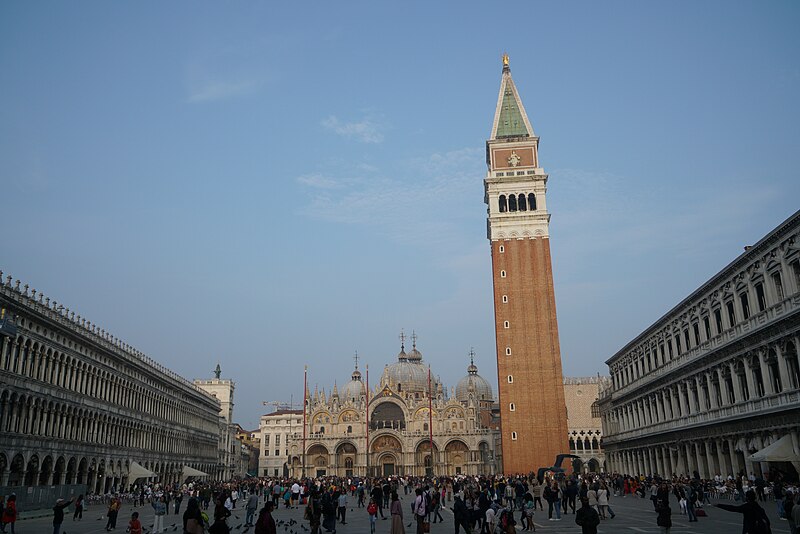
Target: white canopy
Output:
[(779, 451), (138, 471), (192, 472)]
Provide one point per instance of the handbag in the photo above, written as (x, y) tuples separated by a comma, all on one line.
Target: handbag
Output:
[(426, 526)]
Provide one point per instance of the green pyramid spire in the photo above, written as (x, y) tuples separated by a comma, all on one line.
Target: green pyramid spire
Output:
[(510, 119)]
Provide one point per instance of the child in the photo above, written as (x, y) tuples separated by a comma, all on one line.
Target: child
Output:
[(372, 510), (135, 526)]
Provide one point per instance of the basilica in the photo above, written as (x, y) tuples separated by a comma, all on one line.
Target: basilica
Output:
[(390, 428)]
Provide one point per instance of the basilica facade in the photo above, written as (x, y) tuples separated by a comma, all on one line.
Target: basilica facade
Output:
[(390, 429)]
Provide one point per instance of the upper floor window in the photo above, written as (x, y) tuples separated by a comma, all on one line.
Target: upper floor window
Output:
[(745, 302), (523, 206), (760, 297), (531, 202), (503, 205), (731, 313), (512, 203), (796, 270), (778, 283), (718, 320)]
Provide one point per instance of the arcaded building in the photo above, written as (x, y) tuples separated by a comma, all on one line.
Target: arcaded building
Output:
[(584, 423), (79, 406), (533, 414), (717, 378), (387, 429)]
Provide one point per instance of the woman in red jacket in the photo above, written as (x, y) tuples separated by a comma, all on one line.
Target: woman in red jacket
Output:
[(10, 513)]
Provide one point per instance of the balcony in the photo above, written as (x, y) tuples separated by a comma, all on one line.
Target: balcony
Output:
[(788, 400)]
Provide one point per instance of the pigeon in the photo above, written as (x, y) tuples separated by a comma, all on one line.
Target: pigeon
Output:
[(408, 525)]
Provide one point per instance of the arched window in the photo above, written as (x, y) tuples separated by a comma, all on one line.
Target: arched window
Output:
[(399, 386), (503, 205), (522, 204), (349, 429), (322, 430), (425, 427), (531, 201), (512, 203)]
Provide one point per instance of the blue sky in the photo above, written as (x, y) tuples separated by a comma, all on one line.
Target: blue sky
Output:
[(274, 184)]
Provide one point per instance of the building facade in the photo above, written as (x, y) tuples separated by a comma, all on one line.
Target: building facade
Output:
[(717, 378), (228, 448), (276, 431), (532, 407), (584, 423), (78, 406), (388, 429)]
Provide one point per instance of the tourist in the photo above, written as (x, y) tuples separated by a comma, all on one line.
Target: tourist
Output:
[(313, 511), (537, 495), (396, 511), (221, 514), (78, 515), (587, 518), (602, 501), (134, 525), (342, 510), (788, 506), (754, 518), (58, 514), (664, 519), (377, 497), (527, 513), (250, 509), (193, 520), (159, 505), (460, 516), (490, 521), (795, 512), (266, 523), (372, 510), (113, 511)]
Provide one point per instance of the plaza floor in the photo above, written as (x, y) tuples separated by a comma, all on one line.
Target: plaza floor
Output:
[(634, 515)]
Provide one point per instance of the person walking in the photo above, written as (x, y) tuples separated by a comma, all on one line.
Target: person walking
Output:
[(78, 515), (250, 509), (664, 519), (58, 514), (396, 511), (372, 511), (460, 516), (266, 523), (754, 518), (193, 519), (342, 509), (313, 511), (602, 501), (795, 511), (587, 518), (159, 505), (10, 513), (134, 525), (113, 511)]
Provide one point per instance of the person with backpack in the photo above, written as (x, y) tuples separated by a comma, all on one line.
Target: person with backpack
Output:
[(754, 518), (460, 516), (587, 518), (420, 509), (372, 510)]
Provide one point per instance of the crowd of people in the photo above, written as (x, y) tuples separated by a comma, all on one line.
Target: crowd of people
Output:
[(479, 504)]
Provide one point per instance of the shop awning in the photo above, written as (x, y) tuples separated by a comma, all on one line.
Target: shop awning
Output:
[(779, 451), (138, 471), (192, 472)]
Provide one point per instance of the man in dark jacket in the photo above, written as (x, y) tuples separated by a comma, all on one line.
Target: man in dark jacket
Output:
[(587, 518), (460, 515), (754, 520)]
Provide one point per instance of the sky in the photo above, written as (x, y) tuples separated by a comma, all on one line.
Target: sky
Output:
[(270, 185)]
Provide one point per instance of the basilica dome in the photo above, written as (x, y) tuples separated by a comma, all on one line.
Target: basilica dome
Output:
[(483, 391), (355, 388), (409, 374)]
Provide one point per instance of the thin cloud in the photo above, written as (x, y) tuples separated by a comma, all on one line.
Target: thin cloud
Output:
[(318, 181), (365, 130), (220, 90)]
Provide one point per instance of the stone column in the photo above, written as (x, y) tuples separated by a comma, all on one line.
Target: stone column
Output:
[(769, 388), (682, 400), (724, 468), (735, 463), (783, 368), (710, 460)]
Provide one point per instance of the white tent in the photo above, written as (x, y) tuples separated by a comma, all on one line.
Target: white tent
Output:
[(138, 471), (780, 451), (192, 472)]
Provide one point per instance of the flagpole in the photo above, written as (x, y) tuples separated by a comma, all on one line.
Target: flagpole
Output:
[(366, 461), (305, 404), (430, 415)]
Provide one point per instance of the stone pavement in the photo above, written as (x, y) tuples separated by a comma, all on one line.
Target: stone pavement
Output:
[(634, 516)]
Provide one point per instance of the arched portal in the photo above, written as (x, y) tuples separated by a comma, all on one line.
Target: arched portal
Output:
[(577, 465), (58, 471), (424, 458), (345, 458), (317, 458), (17, 474), (456, 453), (594, 466), (385, 455)]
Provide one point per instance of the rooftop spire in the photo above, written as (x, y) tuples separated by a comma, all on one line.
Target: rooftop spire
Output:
[(510, 119)]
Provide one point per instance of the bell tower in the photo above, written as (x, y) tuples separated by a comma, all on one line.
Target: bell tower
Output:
[(533, 414)]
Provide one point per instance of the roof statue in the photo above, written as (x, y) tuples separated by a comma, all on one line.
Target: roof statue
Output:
[(217, 371)]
